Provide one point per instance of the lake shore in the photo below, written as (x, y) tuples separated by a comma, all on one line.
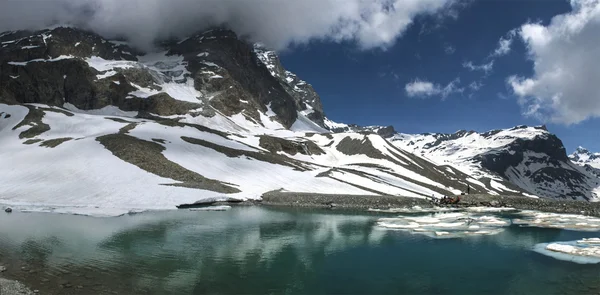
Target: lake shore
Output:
[(12, 287), (277, 198)]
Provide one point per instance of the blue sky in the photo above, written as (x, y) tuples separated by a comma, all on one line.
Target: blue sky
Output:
[(368, 86)]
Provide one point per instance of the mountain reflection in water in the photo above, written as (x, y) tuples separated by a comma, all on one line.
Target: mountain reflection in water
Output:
[(274, 251)]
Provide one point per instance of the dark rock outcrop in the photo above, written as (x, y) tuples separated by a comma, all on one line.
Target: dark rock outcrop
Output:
[(226, 68)]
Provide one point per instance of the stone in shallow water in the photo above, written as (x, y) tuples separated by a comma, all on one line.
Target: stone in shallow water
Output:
[(585, 251)]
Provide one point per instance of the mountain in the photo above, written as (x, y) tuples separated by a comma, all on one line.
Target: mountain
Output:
[(584, 157), (90, 126), (530, 158)]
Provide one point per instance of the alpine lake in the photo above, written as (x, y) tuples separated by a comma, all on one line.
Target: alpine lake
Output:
[(273, 250)]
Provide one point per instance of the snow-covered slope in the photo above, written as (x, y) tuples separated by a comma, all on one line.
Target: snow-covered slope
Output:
[(529, 157), (583, 157), (90, 125)]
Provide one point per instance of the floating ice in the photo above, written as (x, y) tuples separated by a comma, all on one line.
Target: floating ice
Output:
[(561, 221), (585, 251), (491, 209), (446, 225), (415, 209), (212, 208)]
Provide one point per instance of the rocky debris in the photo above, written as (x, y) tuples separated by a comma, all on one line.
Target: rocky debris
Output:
[(276, 144), (10, 287), (340, 201), (2, 268), (148, 156), (279, 198), (350, 146)]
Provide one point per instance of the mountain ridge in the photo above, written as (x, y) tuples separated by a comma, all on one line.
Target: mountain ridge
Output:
[(210, 117)]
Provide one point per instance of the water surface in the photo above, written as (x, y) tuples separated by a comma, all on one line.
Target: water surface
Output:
[(256, 250)]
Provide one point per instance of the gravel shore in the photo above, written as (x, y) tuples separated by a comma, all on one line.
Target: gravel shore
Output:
[(277, 198), (10, 287)]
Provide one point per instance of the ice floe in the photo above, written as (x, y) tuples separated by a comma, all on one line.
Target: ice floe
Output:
[(212, 208), (555, 220), (415, 210), (447, 225), (585, 251)]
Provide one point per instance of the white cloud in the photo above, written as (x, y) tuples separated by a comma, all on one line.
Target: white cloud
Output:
[(564, 87), (475, 86), (449, 49), (419, 88), (486, 68), (504, 44), (277, 23)]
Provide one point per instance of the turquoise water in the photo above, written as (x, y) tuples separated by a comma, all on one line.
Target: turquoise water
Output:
[(254, 250)]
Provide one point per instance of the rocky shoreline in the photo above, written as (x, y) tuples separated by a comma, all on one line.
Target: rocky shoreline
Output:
[(12, 287), (277, 198)]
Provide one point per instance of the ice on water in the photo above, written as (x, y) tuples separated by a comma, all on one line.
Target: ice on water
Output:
[(585, 251), (455, 222), (447, 225), (560, 221)]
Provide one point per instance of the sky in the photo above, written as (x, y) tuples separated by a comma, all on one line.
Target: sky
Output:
[(419, 65), (453, 73)]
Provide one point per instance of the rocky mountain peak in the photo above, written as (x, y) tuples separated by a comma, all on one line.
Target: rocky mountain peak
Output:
[(212, 68), (583, 157), (306, 98), (529, 157)]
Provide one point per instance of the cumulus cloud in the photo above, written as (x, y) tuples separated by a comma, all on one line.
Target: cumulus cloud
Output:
[(564, 87), (420, 88), (277, 23), (486, 68)]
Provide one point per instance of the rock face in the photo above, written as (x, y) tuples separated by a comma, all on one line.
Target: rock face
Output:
[(305, 97), (531, 158), (215, 68), (227, 70)]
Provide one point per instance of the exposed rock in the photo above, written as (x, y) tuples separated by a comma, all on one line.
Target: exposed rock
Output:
[(148, 156), (237, 75), (305, 97), (276, 144), (351, 146), (8, 210)]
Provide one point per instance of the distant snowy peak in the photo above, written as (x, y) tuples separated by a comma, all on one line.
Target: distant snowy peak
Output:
[(583, 157), (529, 157), (306, 98), (466, 144)]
